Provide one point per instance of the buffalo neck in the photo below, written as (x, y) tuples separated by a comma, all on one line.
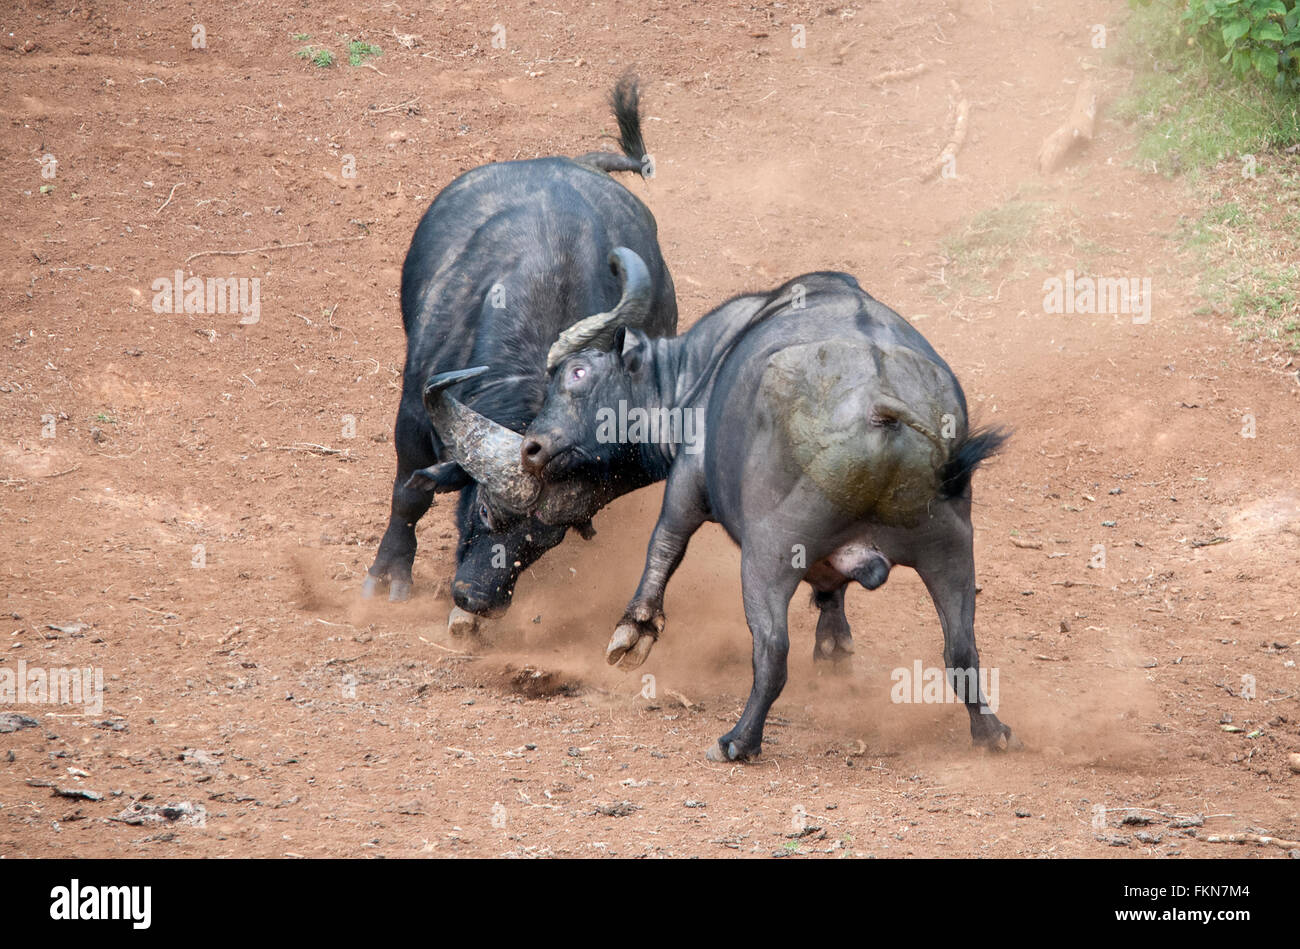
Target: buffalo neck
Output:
[(681, 373)]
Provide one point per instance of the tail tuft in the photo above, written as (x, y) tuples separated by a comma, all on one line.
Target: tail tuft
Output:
[(978, 446), (625, 100)]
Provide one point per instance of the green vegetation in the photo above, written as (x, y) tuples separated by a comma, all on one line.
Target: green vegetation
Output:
[(359, 52), (993, 235), (1191, 109), (991, 239), (319, 56), (1245, 247), (1216, 99), (1260, 36)]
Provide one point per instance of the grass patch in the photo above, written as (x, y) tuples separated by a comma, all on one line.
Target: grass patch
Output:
[(1233, 142), (318, 56), (359, 52), (1244, 245), (987, 243), (1190, 110), (1023, 237)]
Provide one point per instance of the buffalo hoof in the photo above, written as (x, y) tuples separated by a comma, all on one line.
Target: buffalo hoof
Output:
[(461, 624), (370, 587), (629, 646), (728, 753), (399, 591), (836, 652), (1000, 740)]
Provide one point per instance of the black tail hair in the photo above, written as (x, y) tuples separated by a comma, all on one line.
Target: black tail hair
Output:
[(975, 448), (625, 100)]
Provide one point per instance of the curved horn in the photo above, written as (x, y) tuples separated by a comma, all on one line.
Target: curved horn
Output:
[(485, 449), (598, 330)]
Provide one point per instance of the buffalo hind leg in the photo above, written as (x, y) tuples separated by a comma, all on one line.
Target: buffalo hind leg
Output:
[(767, 596), (834, 639), (949, 574)]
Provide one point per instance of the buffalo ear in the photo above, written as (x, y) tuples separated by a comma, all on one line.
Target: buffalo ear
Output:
[(632, 347), (440, 478)]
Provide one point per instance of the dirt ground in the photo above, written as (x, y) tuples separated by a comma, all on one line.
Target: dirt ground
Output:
[(189, 539)]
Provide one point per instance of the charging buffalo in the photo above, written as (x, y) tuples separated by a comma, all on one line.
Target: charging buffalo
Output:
[(835, 446), (506, 260)]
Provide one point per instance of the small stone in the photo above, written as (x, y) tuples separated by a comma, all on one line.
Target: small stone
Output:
[(12, 722), (79, 794)]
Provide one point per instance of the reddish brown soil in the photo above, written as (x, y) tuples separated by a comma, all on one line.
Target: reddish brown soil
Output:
[(178, 430)]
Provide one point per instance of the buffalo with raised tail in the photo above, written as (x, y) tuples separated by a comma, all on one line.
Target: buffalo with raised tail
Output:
[(827, 437), (509, 259)]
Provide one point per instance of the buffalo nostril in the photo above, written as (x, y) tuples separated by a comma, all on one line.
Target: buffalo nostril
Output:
[(533, 454)]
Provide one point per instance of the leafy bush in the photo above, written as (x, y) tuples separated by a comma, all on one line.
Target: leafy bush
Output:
[(1256, 35)]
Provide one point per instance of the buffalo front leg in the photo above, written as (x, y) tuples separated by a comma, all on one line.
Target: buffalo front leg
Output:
[(681, 516), (766, 593), (948, 571), (397, 548)]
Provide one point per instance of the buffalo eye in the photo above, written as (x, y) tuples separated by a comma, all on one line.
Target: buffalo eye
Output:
[(485, 516), (577, 373)]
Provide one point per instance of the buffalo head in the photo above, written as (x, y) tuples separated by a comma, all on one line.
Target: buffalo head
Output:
[(508, 517)]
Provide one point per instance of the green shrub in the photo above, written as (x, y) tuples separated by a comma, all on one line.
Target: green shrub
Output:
[(319, 57), (1262, 36), (359, 52)]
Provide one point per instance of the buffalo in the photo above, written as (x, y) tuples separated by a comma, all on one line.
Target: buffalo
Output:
[(830, 441), (509, 258)]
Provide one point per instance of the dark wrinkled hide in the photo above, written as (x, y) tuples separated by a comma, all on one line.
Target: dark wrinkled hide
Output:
[(505, 258), (836, 447)]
